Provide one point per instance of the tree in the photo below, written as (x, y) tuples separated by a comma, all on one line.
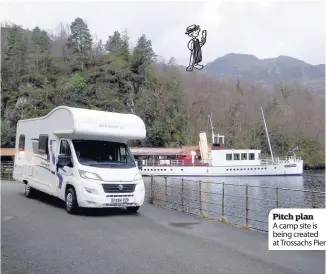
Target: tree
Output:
[(75, 90), (16, 51), (7, 134), (239, 88), (39, 48), (114, 43), (59, 42), (142, 56), (98, 48), (80, 40), (123, 52)]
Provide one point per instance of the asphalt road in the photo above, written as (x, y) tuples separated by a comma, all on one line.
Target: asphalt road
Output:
[(38, 236)]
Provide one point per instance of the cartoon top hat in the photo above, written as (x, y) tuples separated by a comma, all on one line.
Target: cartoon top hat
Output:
[(192, 28)]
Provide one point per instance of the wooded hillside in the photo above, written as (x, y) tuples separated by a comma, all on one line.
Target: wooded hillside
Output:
[(70, 67)]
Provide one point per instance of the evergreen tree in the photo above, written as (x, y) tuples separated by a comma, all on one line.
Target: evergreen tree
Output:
[(16, 51), (142, 55), (39, 48), (80, 40), (114, 42), (123, 52)]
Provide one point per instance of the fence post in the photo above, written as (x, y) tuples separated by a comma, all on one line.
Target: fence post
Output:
[(246, 205), (223, 184), (200, 200), (152, 196), (313, 199), (166, 189), (276, 197), (182, 205)]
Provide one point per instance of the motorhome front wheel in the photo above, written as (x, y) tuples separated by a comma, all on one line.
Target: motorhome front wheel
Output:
[(28, 190), (71, 201)]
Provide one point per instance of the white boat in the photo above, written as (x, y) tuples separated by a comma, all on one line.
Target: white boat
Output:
[(215, 160)]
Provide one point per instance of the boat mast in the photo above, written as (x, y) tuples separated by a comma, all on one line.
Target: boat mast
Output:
[(212, 127), (269, 143)]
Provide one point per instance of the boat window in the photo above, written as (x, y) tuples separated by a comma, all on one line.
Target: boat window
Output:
[(236, 156), (103, 154), (251, 156), (21, 145), (243, 156), (228, 157)]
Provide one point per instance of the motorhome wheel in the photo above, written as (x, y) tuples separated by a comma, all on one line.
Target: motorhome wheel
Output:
[(133, 209), (71, 201), (28, 190)]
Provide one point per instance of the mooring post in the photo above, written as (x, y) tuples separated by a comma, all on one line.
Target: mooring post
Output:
[(152, 196), (182, 205), (200, 200), (276, 197), (246, 205), (166, 189), (223, 184), (313, 199)]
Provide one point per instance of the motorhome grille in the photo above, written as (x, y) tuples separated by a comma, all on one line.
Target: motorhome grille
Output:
[(114, 188)]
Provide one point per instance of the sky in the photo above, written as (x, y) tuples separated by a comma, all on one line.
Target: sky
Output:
[(266, 29)]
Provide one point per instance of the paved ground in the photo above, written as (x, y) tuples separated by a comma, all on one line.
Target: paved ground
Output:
[(38, 236)]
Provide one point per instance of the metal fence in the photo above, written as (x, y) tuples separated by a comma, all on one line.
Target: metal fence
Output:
[(243, 205), (6, 170)]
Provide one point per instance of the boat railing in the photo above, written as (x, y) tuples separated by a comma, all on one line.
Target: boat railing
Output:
[(174, 163), (280, 160)]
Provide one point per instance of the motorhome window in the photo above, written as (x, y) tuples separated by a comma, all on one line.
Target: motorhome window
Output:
[(243, 156), (21, 145), (251, 156), (35, 146), (228, 157), (65, 148), (236, 156), (103, 153), (43, 144)]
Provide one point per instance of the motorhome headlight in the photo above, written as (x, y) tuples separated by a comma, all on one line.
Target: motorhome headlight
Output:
[(138, 177), (89, 175)]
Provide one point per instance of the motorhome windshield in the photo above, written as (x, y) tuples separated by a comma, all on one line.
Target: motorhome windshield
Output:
[(103, 154)]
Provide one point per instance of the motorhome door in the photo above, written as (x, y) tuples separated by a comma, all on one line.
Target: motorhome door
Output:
[(65, 172)]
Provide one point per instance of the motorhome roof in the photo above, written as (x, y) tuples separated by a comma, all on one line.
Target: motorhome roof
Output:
[(92, 124)]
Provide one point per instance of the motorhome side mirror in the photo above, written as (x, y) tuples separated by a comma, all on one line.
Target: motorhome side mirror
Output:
[(61, 160)]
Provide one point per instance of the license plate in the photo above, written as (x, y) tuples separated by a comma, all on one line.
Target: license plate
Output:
[(119, 200)]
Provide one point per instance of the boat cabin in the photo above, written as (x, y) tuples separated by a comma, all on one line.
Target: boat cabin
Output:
[(233, 157), (230, 157)]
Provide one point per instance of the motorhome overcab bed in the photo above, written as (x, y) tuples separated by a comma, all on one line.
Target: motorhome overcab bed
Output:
[(81, 156)]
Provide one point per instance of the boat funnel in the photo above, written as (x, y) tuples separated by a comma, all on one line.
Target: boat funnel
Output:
[(203, 146)]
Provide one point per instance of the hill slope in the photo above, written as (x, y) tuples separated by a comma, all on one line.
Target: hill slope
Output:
[(270, 71)]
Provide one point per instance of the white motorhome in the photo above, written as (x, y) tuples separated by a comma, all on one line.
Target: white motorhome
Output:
[(81, 156)]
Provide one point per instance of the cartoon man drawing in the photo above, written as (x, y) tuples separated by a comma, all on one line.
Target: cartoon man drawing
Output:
[(194, 46)]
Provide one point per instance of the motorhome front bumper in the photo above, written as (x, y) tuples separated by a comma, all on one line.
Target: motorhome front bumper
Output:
[(112, 195)]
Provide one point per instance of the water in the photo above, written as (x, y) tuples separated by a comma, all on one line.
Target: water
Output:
[(261, 192)]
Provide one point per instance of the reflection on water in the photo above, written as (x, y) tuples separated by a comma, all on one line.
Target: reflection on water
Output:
[(264, 194)]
